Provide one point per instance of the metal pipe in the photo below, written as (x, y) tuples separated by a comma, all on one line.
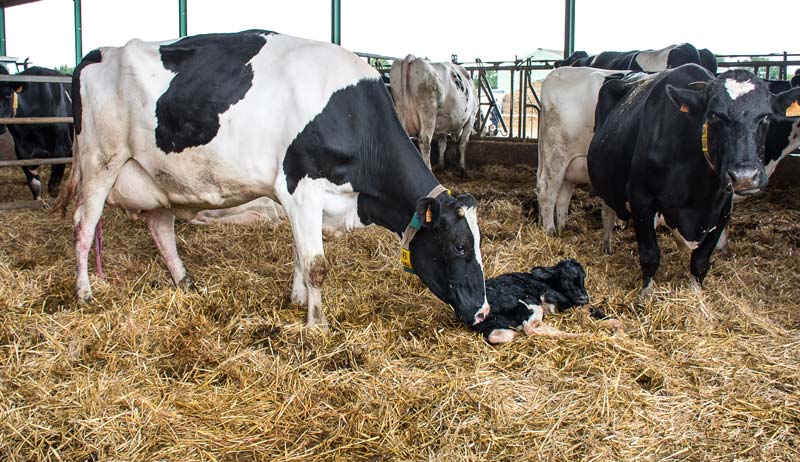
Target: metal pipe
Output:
[(78, 33), (34, 162), (35, 78), (34, 120), (336, 22), (2, 31), (182, 18), (569, 28)]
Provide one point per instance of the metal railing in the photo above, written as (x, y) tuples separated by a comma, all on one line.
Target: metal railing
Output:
[(32, 204), (761, 65)]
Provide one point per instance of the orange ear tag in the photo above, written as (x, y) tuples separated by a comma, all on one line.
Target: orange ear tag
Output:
[(793, 110), (684, 108), (428, 215)]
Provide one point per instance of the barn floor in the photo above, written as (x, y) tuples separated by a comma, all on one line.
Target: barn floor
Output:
[(151, 373)]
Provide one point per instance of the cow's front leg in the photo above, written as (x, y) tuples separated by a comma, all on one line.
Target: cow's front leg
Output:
[(305, 216), (701, 256), (649, 254), (161, 225), (463, 143), (34, 181)]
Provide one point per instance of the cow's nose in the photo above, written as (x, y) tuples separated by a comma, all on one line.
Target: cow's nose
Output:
[(480, 316), (583, 299), (747, 180)]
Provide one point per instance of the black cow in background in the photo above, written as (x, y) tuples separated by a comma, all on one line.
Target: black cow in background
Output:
[(40, 141), (647, 61), (650, 161)]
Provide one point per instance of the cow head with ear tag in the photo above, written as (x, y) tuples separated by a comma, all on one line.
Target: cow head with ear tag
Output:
[(8, 97), (738, 108), (446, 254)]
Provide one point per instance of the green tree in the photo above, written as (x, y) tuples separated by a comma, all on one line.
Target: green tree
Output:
[(65, 69)]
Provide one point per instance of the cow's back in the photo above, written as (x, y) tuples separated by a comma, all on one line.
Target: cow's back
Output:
[(43, 100), (210, 118)]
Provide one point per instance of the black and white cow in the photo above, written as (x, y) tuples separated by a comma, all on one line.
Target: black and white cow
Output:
[(216, 120), (647, 61), (434, 100), (647, 159), (23, 99)]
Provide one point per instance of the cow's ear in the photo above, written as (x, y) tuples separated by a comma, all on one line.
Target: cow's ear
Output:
[(786, 105), (541, 273), (22, 87), (687, 100), (465, 200), (428, 211), (796, 81)]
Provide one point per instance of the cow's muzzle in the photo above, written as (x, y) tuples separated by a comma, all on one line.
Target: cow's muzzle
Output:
[(481, 315), (747, 180)]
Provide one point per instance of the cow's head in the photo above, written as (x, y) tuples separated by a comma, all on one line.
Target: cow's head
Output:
[(738, 108), (566, 283), (8, 94), (446, 254)]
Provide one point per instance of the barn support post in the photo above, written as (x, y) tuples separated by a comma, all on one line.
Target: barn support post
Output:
[(182, 18), (78, 33), (336, 22), (569, 28), (2, 31)]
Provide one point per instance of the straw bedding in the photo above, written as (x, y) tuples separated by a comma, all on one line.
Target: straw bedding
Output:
[(152, 373)]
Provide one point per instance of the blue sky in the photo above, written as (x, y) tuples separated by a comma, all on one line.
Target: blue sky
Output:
[(491, 30)]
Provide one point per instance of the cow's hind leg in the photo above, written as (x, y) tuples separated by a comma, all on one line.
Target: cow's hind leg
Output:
[(609, 220), (89, 209), (441, 145), (562, 204), (161, 225)]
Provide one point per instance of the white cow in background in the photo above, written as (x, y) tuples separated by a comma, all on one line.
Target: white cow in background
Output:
[(569, 97), (434, 100)]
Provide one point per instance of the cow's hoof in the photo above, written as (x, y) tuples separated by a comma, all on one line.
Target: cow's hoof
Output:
[(463, 173), (187, 284), (607, 248), (694, 285), (84, 296), (646, 292)]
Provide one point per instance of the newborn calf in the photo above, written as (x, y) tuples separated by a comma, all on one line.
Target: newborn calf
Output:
[(521, 300)]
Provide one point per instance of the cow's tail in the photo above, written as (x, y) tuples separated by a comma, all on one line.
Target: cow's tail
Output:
[(70, 189)]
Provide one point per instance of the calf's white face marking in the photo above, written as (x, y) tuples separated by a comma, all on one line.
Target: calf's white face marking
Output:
[(737, 89)]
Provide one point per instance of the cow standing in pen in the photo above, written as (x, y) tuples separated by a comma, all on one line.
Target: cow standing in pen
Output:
[(643, 61), (434, 100), (672, 148), (213, 121), (40, 141)]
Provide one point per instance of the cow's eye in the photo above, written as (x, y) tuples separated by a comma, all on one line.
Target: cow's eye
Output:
[(461, 249)]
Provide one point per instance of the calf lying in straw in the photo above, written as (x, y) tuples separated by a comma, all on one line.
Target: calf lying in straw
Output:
[(520, 301)]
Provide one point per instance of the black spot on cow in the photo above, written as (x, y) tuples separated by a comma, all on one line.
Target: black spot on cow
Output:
[(93, 57), (213, 73)]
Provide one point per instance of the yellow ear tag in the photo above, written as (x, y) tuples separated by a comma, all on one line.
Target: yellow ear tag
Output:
[(14, 103), (428, 215), (684, 108), (405, 259), (704, 139), (793, 110)]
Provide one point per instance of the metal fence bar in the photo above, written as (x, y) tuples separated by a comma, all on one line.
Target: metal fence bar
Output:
[(35, 162), (34, 120), (35, 78), (26, 205)]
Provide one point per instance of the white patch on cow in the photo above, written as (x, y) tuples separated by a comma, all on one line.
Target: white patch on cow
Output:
[(659, 221), (262, 209), (654, 60), (471, 215), (547, 308), (737, 89), (339, 203), (793, 142), (36, 185)]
